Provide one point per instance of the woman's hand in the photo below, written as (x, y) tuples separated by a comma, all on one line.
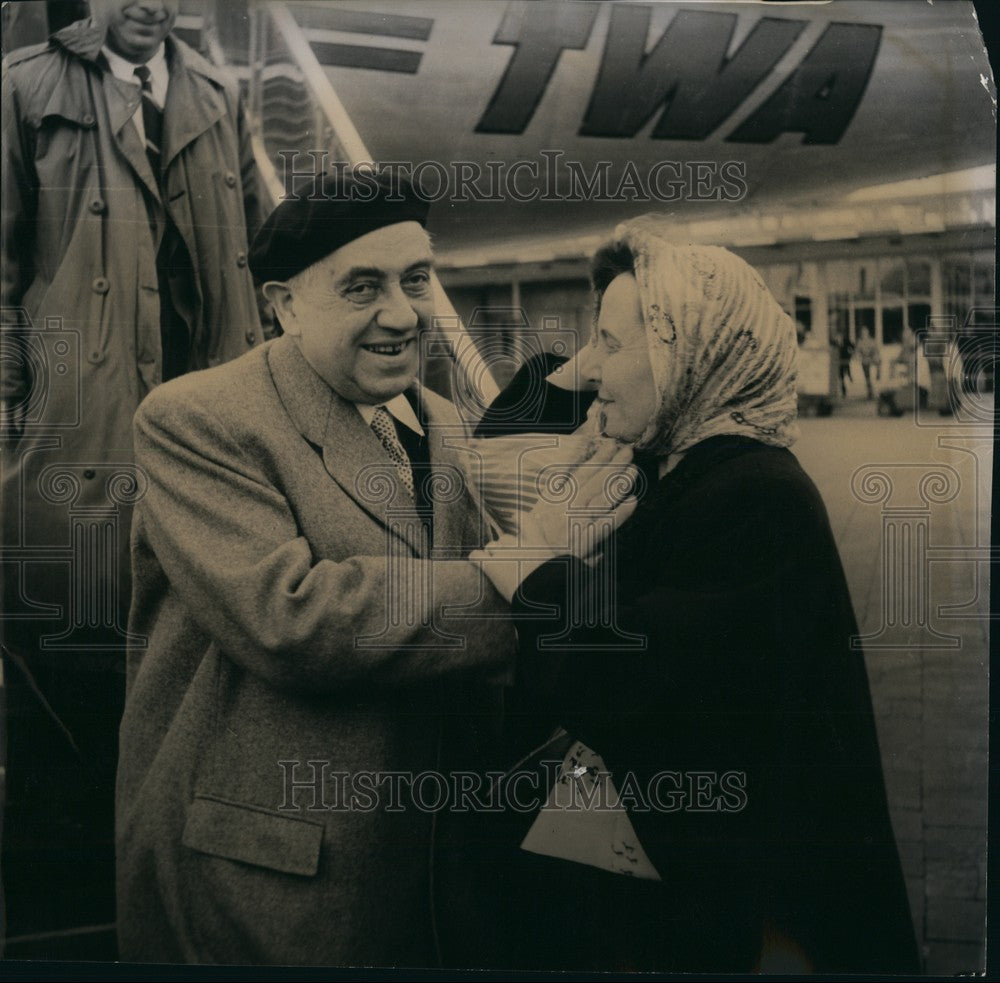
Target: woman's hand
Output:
[(582, 505), (600, 498)]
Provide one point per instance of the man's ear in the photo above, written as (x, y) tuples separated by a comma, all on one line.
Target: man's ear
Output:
[(280, 296)]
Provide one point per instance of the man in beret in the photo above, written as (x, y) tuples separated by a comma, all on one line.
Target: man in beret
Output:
[(312, 629)]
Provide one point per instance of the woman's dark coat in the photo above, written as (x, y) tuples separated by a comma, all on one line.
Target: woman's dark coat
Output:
[(748, 662)]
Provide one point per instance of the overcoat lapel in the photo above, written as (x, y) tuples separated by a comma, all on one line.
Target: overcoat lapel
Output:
[(122, 100), (194, 105), (352, 454), (360, 464)]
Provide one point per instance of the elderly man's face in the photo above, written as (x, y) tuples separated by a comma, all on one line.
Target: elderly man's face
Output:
[(357, 314), (135, 28)]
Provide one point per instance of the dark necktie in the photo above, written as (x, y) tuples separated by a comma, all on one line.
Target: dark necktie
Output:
[(385, 430), (173, 262), (152, 120)]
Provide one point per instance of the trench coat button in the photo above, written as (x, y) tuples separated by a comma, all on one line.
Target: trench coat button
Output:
[(89, 473), (231, 179), (251, 337), (241, 259), (88, 119), (96, 206), (100, 285)]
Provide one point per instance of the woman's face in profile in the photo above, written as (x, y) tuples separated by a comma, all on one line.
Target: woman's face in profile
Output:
[(626, 392)]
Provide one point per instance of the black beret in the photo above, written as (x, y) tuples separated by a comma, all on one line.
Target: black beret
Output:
[(328, 212)]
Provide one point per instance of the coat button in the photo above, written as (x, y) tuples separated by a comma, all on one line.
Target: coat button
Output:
[(100, 285), (241, 259), (231, 179), (96, 206), (88, 119), (251, 337)]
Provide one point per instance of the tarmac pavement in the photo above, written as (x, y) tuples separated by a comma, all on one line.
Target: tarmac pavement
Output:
[(909, 502)]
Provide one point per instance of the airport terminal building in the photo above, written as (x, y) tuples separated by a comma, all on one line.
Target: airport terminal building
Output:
[(917, 253)]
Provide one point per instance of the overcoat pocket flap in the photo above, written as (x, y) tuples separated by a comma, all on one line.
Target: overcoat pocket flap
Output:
[(253, 836)]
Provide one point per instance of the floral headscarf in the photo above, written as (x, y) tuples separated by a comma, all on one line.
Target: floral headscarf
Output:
[(723, 352)]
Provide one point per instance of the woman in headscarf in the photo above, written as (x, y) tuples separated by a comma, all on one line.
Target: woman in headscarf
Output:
[(703, 656)]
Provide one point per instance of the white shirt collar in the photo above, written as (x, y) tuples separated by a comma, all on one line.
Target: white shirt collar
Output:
[(159, 74), (400, 408)]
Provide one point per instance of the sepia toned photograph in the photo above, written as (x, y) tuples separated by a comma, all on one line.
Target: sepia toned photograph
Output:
[(496, 487)]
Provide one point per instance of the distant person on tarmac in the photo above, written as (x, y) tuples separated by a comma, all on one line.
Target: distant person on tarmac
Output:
[(907, 353), (845, 351), (868, 352)]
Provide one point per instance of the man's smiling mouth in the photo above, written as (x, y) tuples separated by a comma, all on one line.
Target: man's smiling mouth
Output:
[(388, 348), (143, 22)]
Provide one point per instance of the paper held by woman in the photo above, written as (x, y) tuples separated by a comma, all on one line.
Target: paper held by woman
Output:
[(584, 821)]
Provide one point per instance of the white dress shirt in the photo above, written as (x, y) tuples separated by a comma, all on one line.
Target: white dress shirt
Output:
[(159, 79), (399, 408)]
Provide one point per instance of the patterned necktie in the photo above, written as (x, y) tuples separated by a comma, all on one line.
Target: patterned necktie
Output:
[(152, 119), (385, 430)]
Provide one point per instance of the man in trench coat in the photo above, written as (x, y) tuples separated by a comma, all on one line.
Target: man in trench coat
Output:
[(315, 639), (83, 214), (88, 209)]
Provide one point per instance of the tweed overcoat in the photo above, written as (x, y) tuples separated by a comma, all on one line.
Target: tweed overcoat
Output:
[(272, 553)]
